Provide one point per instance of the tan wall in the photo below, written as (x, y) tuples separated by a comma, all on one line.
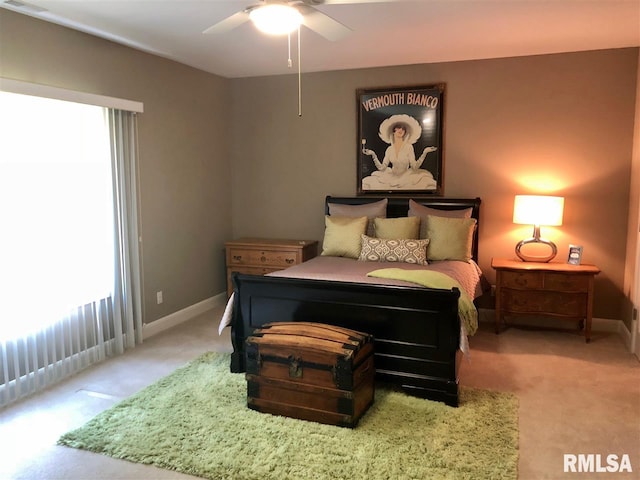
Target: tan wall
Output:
[(631, 288), (561, 124), (184, 169), (565, 120)]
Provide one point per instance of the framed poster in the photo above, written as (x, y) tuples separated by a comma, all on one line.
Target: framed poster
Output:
[(400, 140)]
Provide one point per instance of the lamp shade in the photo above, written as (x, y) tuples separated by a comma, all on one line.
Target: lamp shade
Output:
[(276, 18), (538, 210)]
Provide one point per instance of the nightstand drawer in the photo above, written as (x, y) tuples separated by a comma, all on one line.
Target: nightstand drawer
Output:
[(521, 279), (566, 282), (544, 302), (280, 259)]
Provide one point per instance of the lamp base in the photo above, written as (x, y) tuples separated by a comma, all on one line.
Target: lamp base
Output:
[(529, 258)]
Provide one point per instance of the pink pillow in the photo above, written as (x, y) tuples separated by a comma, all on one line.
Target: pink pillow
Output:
[(370, 210)]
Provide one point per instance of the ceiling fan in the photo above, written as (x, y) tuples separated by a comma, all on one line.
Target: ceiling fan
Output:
[(292, 13)]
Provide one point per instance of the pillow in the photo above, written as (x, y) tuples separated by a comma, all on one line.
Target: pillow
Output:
[(370, 210), (342, 236), (417, 210), (394, 250), (450, 238), (402, 227)]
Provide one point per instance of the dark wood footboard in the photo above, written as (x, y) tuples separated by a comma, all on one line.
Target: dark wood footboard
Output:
[(416, 330)]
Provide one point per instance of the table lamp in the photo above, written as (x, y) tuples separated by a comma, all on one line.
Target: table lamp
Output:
[(537, 210)]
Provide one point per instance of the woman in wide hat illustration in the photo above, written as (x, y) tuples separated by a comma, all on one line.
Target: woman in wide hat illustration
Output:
[(399, 168)]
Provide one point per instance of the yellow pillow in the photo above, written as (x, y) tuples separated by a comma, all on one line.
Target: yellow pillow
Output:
[(418, 210), (342, 236), (450, 238), (402, 227)]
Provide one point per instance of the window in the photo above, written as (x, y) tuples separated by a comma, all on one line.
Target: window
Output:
[(56, 206), (69, 263)]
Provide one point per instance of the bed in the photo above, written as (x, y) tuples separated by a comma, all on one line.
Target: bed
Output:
[(419, 335)]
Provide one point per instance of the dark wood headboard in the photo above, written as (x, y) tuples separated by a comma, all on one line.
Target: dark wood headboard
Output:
[(399, 207)]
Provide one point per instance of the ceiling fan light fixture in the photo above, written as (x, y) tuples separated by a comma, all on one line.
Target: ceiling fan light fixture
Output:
[(276, 19)]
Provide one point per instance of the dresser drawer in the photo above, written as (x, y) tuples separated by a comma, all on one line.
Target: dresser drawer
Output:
[(258, 256), (252, 270), (280, 259), (544, 302), (566, 282), (246, 271), (521, 279)]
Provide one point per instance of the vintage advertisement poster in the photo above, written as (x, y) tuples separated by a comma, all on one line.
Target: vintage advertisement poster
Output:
[(400, 140)]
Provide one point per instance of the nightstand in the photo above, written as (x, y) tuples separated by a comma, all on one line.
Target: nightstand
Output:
[(258, 256), (551, 289)]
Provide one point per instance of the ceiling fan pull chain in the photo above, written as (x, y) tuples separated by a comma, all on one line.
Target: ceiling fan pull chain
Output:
[(299, 78)]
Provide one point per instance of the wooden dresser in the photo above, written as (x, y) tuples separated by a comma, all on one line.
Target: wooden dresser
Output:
[(549, 289), (258, 256)]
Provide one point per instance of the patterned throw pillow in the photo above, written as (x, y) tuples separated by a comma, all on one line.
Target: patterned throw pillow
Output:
[(394, 250)]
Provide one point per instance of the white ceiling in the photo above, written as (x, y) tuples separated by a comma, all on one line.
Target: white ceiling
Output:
[(399, 32)]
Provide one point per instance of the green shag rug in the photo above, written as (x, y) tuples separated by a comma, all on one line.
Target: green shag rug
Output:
[(196, 421)]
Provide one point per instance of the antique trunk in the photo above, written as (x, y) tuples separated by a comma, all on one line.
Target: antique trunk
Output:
[(310, 371)]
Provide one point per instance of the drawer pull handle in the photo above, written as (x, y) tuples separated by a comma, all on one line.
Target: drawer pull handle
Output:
[(289, 260), (263, 259), (521, 281), (237, 257)]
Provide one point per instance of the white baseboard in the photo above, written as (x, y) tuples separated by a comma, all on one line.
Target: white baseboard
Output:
[(627, 338), (181, 316), (488, 315), (607, 325)]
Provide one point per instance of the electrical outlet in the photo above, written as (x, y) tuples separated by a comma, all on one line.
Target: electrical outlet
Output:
[(159, 297)]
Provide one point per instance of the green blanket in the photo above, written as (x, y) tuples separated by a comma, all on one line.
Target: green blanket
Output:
[(427, 278)]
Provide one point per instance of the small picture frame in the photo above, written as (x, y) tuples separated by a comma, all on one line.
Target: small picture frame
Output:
[(575, 255)]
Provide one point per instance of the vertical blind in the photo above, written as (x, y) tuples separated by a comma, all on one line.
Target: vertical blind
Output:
[(69, 266)]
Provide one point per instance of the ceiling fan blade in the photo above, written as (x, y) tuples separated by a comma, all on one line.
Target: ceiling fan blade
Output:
[(228, 23), (348, 2), (323, 24)]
